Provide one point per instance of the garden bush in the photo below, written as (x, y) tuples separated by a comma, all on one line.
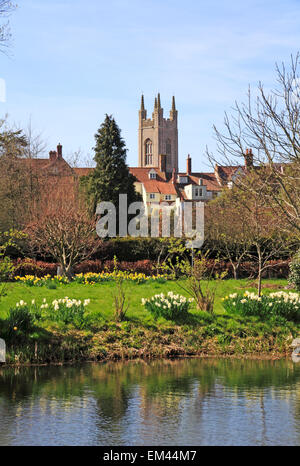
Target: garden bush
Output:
[(279, 304), (19, 322), (277, 269), (32, 267), (6, 269), (39, 269)]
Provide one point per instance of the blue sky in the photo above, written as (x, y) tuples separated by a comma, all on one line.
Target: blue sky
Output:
[(72, 61)]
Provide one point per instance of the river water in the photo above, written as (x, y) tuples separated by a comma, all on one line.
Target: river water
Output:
[(185, 402)]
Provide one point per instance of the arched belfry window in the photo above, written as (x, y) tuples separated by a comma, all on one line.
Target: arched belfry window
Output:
[(148, 152), (168, 147)]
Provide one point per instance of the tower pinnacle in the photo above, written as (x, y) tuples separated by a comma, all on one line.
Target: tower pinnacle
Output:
[(158, 101), (142, 103), (173, 104)]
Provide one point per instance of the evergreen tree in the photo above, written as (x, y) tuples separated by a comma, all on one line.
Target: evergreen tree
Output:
[(111, 176)]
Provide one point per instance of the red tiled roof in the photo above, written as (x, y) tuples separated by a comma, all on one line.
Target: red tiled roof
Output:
[(83, 171), (162, 187), (142, 174), (57, 166), (209, 180), (162, 184)]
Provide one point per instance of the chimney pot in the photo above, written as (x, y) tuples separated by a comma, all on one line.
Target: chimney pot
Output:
[(59, 151), (52, 155), (248, 158), (174, 176), (188, 165)]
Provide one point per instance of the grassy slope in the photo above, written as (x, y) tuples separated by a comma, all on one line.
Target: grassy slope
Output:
[(101, 295), (141, 335)]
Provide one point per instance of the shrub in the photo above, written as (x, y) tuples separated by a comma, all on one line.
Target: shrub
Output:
[(20, 321), (87, 266), (171, 307), (294, 277), (23, 267), (6, 269), (28, 266), (279, 304)]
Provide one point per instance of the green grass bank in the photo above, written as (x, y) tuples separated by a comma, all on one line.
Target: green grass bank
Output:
[(140, 335)]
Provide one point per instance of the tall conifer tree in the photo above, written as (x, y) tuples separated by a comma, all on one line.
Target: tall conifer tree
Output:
[(111, 175)]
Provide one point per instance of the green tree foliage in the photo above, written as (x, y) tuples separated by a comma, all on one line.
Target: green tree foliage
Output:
[(111, 176)]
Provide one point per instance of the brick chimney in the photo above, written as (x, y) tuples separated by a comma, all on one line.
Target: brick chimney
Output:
[(218, 174), (174, 176), (188, 165), (52, 155), (163, 163), (248, 158), (59, 151)]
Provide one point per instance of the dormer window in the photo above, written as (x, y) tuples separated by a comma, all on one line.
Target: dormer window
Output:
[(182, 179), (152, 175)]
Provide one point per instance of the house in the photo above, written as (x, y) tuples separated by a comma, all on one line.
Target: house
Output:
[(158, 179)]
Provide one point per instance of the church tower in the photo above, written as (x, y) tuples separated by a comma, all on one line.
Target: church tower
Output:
[(158, 136)]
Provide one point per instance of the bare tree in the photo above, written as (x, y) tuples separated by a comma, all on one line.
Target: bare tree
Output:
[(6, 7), (226, 227), (269, 123), (266, 233), (77, 159), (36, 145), (63, 231)]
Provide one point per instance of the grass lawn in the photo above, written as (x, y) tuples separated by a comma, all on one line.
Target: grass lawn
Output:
[(101, 295), (140, 335)]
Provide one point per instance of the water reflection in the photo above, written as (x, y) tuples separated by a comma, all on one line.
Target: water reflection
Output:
[(186, 402)]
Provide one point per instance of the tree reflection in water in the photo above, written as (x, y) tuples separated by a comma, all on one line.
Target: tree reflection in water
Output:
[(151, 402)]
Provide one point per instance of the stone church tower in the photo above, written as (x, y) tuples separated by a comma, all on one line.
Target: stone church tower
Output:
[(158, 138)]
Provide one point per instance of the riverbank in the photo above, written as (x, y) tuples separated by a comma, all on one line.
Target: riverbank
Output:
[(140, 335), (128, 340)]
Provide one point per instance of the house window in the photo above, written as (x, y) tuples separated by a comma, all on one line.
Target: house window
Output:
[(168, 197), (152, 176), (198, 192), (152, 196), (148, 152)]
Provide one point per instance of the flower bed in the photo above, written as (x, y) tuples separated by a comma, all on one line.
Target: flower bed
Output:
[(21, 318), (90, 278), (279, 304), (172, 306)]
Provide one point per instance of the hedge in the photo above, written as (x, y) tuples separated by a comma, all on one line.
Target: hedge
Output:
[(277, 269)]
